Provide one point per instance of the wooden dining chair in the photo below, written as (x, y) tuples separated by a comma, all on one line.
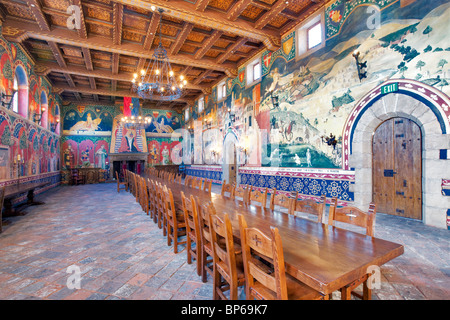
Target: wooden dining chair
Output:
[(228, 272), (207, 185), (307, 207), (265, 274), (178, 178), (160, 209), (136, 187), (176, 225), (151, 189), (241, 192), (120, 183), (257, 196), (282, 200), (193, 239), (197, 183), (145, 198), (188, 181), (206, 253), (356, 217), (227, 190)]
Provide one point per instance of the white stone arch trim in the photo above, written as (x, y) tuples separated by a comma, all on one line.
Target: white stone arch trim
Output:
[(438, 103)]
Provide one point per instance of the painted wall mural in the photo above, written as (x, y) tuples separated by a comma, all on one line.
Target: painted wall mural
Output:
[(91, 133), (316, 93), (28, 151)]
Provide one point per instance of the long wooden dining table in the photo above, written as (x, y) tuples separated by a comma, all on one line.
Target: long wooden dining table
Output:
[(322, 256)]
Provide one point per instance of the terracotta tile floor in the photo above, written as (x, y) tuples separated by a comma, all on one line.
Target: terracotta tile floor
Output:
[(121, 254)]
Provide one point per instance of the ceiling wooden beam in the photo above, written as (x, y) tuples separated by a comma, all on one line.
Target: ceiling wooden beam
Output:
[(202, 76), (181, 38), (117, 93), (151, 30), (118, 22), (46, 67), (87, 58), (41, 20), (271, 14), (207, 44), (115, 63), (231, 49), (57, 53), (18, 31), (235, 11), (82, 31), (188, 12), (201, 5)]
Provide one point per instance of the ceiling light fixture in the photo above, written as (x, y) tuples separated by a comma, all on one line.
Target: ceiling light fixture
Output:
[(158, 81)]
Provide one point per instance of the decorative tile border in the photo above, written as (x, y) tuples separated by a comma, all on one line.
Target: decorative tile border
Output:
[(445, 187), (206, 171), (309, 183)]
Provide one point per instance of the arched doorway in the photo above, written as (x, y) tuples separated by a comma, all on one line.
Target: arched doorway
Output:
[(428, 108), (230, 165), (397, 168)]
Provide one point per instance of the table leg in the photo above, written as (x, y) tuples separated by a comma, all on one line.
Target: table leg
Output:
[(9, 210), (31, 201)]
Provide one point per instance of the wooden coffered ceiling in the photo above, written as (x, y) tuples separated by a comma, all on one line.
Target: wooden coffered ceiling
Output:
[(206, 40)]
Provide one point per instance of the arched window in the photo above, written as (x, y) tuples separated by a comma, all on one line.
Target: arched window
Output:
[(20, 85), (15, 102)]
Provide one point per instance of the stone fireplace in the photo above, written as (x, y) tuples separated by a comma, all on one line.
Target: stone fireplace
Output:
[(135, 162)]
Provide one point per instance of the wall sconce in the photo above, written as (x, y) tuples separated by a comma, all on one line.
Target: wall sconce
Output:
[(232, 115), (7, 99), (207, 123), (38, 116), (274, 100), (54, 125), (331, 140), (360, 65)]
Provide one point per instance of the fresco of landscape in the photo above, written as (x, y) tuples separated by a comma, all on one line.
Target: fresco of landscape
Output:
[(316, 94)]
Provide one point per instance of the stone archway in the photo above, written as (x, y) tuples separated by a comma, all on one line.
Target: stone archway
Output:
[(426, 106), (230, 157)]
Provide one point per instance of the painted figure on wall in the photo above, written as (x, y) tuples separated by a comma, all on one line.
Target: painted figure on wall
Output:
[(88, 125), (153, 155), (129, 141), (101, 156), (165, 155)]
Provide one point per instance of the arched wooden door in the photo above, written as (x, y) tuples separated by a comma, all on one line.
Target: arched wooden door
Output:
[(397, 168)]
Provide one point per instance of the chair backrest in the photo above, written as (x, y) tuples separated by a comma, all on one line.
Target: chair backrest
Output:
[(242, 192), (169, 205), (282, 200), (311, 206), (188, 181), (207, 185), (257, 246), (258, 196), (178, 178), (222, 233), (191, 217), (353, 216), (227, 190), (205, 210), (198, 183)]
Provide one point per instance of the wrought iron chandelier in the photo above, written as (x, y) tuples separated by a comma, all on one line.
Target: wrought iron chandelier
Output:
[(158, 81)]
